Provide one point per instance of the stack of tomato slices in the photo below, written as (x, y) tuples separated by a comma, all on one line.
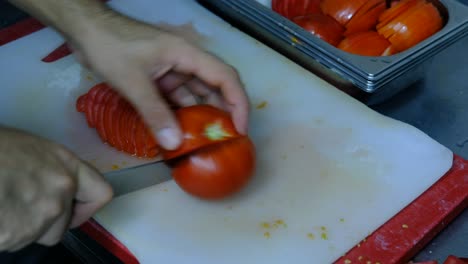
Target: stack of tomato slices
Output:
[(365, 27), (214, 160)]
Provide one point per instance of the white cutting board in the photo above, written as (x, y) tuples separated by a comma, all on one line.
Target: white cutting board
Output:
[(330, 170)]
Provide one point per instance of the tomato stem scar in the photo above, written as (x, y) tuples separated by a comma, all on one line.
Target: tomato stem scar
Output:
[(216, 132)]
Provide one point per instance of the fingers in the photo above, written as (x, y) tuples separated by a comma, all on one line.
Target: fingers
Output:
[(209, 95), (215, 73), (172, 85), (55, 233), (153, 108), (92, 194)]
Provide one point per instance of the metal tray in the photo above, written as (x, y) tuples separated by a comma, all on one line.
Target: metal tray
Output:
[(376, 78)]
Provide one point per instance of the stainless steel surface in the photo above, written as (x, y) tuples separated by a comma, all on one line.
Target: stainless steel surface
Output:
[(379, 77)]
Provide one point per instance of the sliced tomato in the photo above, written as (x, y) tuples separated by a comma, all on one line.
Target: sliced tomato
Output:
[(293, 8), (95, 102), (119, 144), (132, 125), (367, 43), (151, 144), (139, 138), (128, 113), (102, 115), (366, 18), (341, 10), (396, 10), (420, 23), (322, 26)]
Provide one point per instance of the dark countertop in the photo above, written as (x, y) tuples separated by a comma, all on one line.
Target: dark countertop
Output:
[(437, 105)]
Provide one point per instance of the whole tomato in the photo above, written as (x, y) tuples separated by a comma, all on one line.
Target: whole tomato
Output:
[(216, 171)]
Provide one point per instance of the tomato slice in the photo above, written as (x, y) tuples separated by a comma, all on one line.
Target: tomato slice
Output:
[(132, 125), (109, 115), (420, 23), (202, 125), (127, 114), (139, 138), (396, 10), (294, 8), (216, 171), (341, 10), (367, 43), (322, 26), (366, 18), (94, 102), (152, 149)]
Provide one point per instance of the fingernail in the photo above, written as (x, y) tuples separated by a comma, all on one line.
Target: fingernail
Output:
[(169, 138)]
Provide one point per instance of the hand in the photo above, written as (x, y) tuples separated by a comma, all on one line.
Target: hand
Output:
[(149, 64), (44, 190), (145, 63)]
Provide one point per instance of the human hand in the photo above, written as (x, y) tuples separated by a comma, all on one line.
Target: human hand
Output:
[(44, 190), (148, 65)]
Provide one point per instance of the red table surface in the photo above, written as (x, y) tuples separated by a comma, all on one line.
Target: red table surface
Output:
[(396, 241)]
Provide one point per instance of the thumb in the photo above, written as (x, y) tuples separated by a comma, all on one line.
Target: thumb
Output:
[(92, 194), (144, 95)]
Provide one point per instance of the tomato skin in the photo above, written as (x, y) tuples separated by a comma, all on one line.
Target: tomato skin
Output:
[(294, 8), (367, 43), (366, 18), (322, 26), (197, 122), (341, 10), (217, 171)]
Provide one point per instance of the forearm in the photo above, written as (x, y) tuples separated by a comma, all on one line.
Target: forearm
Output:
[(70, 17)]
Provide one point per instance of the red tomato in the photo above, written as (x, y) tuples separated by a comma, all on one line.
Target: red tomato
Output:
[(414, 26), (366, 17), (214, 161), (341, 10), (396, 10), (216, 171), (322, 26), (116, 121), (293, 8), (455, 260), (202, 125), (367, 43)]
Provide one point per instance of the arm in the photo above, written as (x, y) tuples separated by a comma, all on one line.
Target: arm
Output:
[(147, 64)]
